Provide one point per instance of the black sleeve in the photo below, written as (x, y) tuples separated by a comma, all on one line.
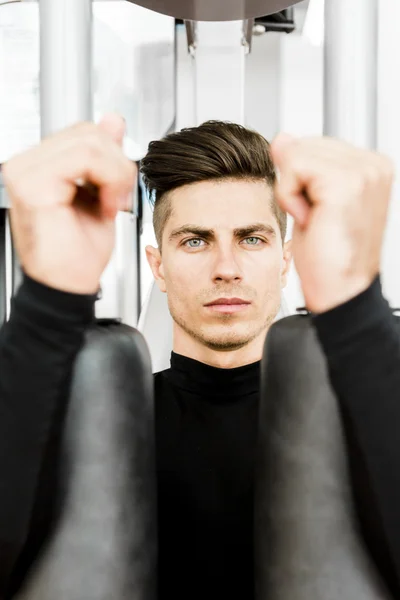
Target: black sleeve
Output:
[(37, 349), (361, 341)]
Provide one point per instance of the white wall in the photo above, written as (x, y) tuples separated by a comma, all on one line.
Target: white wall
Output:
[(263, 103)]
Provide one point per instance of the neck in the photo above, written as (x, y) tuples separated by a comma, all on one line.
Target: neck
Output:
[(188, 346)]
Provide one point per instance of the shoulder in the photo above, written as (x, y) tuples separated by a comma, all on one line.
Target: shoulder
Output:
[(161, 374), (164, 393), (160, 379)]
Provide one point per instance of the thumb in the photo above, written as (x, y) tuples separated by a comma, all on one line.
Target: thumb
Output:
[(115, 126), (279, 146), (288, 190)]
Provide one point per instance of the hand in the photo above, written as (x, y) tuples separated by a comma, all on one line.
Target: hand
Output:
[(63, 235), (338, 196)]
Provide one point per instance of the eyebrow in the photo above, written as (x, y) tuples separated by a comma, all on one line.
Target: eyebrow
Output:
[(209, 234)]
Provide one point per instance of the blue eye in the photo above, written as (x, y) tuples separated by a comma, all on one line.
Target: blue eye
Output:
[(253, 241), (194, 243)]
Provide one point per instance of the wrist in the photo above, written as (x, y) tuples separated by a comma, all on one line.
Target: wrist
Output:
[(61, 283), (337, 293), (51, 307)]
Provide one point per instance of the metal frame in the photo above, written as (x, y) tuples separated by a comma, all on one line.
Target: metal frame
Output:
[(191, 35), (66, 97), (65, 63), (3, 270), (350, 71), (4, 288), (248, 26), (220, 90)]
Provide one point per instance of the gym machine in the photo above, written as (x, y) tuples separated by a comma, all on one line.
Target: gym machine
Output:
[(3, 249), (91, 552)]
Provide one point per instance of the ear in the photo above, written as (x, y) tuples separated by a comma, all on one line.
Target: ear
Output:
[(286, 263), (154, 259)]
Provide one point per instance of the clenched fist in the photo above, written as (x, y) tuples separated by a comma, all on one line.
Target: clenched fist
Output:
[(339, 197), (64, 235)]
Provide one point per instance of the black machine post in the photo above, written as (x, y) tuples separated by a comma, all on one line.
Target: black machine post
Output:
[(3, 278), (3, 252)]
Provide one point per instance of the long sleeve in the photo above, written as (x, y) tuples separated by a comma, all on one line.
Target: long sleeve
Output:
[(361, 341), (37, 350)]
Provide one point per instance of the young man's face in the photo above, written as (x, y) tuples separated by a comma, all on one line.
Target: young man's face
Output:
[(222, 264)]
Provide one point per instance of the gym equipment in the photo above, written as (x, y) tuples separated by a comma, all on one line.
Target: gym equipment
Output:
[(307, 538), (3, 286), (212, 10), (350, 71), (282, 21), (3, 277), (103, 538)]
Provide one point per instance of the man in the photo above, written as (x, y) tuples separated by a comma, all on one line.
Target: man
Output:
[(222, 260)]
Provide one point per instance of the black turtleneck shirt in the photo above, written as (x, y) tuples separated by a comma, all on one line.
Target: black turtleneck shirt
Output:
[(206, 421), (206, 428)]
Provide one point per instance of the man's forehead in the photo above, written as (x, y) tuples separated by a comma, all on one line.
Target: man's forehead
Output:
[(227, 204)]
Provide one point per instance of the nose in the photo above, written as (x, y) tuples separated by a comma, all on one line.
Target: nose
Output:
[(226, 267)]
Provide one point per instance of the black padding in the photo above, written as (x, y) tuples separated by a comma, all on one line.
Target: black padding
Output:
[(307, 542), (103, 546)]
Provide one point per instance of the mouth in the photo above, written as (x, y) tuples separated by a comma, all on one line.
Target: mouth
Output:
[(228, 305)]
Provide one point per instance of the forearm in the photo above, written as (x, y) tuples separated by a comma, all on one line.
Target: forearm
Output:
[(361, 342), (37, 349)]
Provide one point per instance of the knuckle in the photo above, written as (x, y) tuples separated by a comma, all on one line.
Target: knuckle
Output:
[(91, 146), (373, 174), (294, 158), (122, 171), (82, 127), (388, 168), (6, 170), (380, 167), (359, 182), (12, 168), (131, 172), (12, 178), (380, 171)]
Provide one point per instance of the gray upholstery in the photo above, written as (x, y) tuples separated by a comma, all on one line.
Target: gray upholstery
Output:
[(155, 323), (216, 10), (102, 545), (308, 547)]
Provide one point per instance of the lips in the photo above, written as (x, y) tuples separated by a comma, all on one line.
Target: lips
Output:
[(227, 302)]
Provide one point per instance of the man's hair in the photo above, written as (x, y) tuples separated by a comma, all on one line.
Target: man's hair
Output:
[(215, 150)]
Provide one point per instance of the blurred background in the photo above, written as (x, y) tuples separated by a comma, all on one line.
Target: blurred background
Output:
[(163, 74)]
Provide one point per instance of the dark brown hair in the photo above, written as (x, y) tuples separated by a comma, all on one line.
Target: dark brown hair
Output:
[(214, 150)]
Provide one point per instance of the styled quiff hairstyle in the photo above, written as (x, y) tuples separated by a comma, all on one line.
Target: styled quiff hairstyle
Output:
[(214, 150)]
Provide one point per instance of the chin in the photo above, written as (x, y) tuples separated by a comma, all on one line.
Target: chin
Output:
[(224, 336), (225, 346), (226, 341)]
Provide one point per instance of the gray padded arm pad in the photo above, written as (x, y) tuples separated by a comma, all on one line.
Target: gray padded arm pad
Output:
[(103, 545), (216, 10), (308, 546)]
